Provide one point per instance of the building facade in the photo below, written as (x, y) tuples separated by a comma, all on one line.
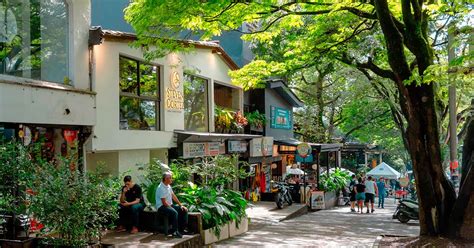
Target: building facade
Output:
[(45, 88)]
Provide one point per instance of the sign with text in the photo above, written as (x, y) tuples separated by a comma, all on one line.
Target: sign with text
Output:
[(261, 147), (194, 150), (317, 200), (280, 118), (237, 146), (174, 95)]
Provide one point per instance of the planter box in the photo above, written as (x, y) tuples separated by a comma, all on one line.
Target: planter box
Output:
[(330, 199), (243, 227), (21, 243), (209, 237), (323, 199)]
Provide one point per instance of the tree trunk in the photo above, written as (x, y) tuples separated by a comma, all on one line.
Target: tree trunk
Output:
[(435, 193), (462, 218)]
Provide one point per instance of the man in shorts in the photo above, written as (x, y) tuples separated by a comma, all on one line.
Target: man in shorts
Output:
[(370, 193)]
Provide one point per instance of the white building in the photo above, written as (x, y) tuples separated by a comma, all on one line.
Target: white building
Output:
[(45, 89), (141, 104)]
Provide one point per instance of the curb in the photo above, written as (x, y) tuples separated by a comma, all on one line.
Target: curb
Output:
[(377, 241), (302, 211)]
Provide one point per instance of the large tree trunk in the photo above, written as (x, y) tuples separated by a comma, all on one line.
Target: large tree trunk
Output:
[(462, 218), (435, 193)]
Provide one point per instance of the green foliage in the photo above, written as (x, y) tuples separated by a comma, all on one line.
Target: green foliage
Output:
[(153, 174), (335, 181), (74, 206), (220, 171), (256, 119), (217, 207)]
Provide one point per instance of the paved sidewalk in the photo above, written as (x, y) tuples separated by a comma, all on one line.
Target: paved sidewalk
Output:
[(326, 228)]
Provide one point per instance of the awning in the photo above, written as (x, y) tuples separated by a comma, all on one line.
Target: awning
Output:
[(280, 87), (326, 147), (192, 136)]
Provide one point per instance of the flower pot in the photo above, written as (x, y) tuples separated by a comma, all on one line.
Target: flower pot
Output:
[(209, 237), (243, 227), (18, 243)]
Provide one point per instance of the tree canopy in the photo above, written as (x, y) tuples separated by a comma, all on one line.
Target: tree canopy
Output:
[(397, 45)]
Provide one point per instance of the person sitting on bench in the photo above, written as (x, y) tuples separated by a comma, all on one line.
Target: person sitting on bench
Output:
[(131, 204), (177, 214)]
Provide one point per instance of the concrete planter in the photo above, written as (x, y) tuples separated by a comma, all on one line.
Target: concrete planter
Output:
[(209, 237), (330, 199), (243, 227)]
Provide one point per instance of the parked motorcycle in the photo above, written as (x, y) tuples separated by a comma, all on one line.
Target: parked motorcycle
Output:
[(283, 194), (406, 210)]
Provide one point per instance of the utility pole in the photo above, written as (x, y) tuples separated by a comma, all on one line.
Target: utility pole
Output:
[(453, 142)]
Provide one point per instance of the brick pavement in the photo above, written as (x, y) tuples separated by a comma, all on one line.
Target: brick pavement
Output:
[(326, 228)]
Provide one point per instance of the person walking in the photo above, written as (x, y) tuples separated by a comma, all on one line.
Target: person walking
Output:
[(370, 192), (352, 193), (381, 191), (360, 195)]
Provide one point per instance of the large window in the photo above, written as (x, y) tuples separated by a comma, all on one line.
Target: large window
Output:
[(226, 97), (34, 39), (196, 110), (139, 96)]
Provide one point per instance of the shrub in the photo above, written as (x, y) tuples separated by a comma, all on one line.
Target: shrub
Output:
[(74, 206)]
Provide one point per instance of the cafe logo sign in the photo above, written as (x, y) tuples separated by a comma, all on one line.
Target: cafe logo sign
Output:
[(174, 96)]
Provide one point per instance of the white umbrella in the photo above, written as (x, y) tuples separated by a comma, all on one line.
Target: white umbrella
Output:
[(295, 171)]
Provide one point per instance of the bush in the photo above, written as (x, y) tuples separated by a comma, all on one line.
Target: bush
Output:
[(74, 206), (220, 171), (216, 206), (334, 181), (18, 164)]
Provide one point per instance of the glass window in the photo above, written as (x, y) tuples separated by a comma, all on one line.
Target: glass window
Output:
[(139, 101), (34, 39), (196, 111), (226, 97)]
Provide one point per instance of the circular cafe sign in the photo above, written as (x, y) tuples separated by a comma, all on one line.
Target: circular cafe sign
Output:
[(304, 149)]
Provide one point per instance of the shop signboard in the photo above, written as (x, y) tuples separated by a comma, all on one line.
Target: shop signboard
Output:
[(174, 97), (404, 182), (280, 118), (317, 200), (213, 149), (237, 146), (193, 150), (260, 147)]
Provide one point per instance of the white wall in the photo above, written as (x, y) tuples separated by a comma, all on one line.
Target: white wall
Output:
[(29, 103), (128, 161), (107, 134)]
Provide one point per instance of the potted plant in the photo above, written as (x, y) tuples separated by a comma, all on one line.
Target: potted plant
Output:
[(223, 119), (331, 184), (75, 207), (256, 120), (18, 164), (218, 204), (240, 121)]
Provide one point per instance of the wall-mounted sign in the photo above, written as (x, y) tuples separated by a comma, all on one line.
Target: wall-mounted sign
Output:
[(280, 118), (303, 149), (261, 147), (194, 150), (174, 95), (237, 146)]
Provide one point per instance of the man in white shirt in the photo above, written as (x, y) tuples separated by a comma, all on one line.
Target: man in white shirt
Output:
[(370, 193), (177, 214)]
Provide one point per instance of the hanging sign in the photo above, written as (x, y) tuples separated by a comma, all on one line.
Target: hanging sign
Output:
[(174, 95), (404, 182), (304, 149), (261, 147), (194, 150), (237, 146)]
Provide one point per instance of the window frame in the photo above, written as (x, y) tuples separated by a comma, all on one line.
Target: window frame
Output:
[(209, 101), (156, 99)]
